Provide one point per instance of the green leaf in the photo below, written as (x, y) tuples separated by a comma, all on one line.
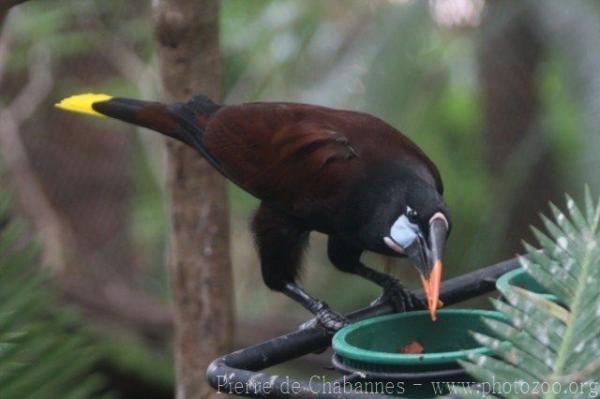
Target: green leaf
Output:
[(589, 205), (565, 224), (576, 215), (523, 341), (539, 304), (498, 371), (513, 355), (545, 341), (564, 258), (547, 335), (43, 354)]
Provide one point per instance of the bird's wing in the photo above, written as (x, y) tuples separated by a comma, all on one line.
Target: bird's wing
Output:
[(380, 143), (297, 154), (280, 152)]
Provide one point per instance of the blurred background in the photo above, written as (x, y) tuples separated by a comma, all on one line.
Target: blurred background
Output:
[(504, 96)]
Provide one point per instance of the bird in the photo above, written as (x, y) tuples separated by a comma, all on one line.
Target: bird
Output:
[(346, 174)]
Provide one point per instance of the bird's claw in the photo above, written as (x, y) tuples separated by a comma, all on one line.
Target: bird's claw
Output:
[(331, 320), (400, 298), (327, 319)]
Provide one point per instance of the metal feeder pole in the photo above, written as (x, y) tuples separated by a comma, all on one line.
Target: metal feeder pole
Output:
[(238, 372)]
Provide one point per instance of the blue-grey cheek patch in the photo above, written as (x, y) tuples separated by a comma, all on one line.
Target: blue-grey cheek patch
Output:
[(404, 232)]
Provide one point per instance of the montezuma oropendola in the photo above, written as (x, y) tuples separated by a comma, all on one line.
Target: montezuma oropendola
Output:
[(343, 173)]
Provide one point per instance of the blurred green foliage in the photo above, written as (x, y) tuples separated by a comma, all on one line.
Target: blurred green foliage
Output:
[(44, 353)]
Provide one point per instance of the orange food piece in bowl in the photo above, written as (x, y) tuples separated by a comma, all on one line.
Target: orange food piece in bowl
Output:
[(414, 348)]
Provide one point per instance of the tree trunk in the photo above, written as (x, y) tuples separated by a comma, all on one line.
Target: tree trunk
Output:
[(5, 8), (187, 34), (522, 165)]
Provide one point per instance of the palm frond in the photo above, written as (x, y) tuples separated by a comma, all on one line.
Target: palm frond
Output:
[(543, 343), (43, 352)]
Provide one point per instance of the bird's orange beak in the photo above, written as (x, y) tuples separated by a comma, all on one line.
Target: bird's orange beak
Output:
[(431, 286), (426, 255), (438, 230)]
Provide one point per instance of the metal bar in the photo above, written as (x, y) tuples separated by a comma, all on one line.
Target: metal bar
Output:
[(235, 373)]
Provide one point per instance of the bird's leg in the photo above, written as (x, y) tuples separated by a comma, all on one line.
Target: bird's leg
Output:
[(326, 317), (394, 292), (347, 258), (280, 243)]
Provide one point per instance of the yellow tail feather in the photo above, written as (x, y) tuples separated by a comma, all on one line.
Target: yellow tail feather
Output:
[(82, 103)]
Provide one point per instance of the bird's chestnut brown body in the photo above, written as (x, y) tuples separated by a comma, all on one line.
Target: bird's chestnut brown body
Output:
[(308, 160)]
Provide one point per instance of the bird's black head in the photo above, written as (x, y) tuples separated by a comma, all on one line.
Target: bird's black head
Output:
[(403, 214)]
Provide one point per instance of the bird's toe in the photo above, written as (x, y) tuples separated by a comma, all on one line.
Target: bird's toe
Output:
[(399, 297), (331, 320), (327, 319)]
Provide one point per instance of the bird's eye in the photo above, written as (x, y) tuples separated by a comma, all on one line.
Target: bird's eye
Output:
[(412, 215)]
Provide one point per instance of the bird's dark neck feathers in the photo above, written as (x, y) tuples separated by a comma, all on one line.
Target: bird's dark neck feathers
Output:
[(378, 196)]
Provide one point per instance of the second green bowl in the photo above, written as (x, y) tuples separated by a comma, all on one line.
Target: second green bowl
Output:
[(520, 278)]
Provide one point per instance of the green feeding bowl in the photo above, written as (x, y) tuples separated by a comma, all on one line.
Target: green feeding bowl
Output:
[(373, 347), (520, 278)]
